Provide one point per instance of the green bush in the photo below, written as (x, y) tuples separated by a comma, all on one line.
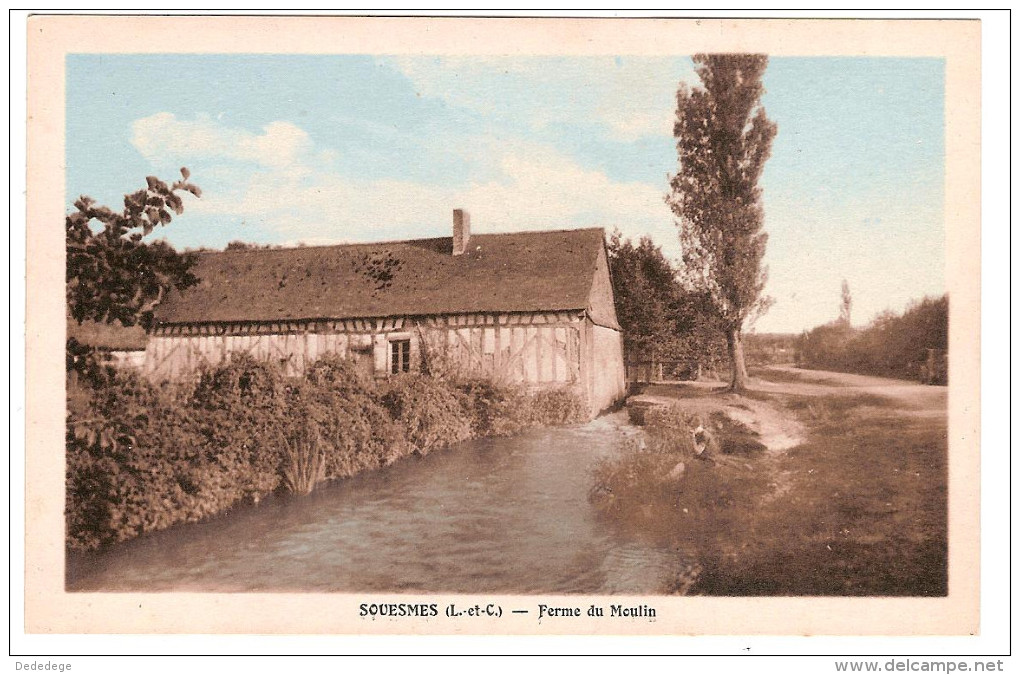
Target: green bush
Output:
[(554, 407), (431, 411), (139, 460), (340, 376), (671, 429), (242, 408), (504, 410), (495, 409), (357, 430)]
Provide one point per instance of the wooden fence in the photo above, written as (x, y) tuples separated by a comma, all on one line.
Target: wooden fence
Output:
[(653, 370)]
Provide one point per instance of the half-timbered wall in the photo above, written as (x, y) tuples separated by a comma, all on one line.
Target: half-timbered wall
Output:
[(178, 351), (528, 348)]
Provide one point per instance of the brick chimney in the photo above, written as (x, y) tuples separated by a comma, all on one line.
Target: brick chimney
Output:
[(461, 231)]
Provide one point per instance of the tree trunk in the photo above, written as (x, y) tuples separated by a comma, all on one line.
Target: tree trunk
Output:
[(738, 382)]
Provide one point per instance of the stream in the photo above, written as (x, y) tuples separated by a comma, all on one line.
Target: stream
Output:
[(508, 515)]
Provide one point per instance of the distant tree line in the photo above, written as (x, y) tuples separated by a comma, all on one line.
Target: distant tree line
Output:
[(238, 245), (910, 345), (771, 349)]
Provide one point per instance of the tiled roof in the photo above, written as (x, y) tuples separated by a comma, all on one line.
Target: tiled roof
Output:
[(517, 272)]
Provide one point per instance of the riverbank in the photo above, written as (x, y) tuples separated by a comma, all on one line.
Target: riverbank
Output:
[(142, 457), (506, 515), (843, 494)]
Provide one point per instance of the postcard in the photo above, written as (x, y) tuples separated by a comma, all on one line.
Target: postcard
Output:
[(505, 326)]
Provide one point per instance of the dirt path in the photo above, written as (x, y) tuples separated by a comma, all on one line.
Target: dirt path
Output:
[(797, 381), (777, 428)]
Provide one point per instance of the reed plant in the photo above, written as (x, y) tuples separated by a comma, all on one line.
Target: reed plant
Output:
[(304, 462)]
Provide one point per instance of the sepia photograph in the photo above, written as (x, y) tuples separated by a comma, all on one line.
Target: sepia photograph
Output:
[(634, 323)]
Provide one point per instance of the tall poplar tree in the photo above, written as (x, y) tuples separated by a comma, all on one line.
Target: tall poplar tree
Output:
[(723, 139)]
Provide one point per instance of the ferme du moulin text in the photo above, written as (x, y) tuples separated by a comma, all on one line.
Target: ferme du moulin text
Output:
[(615, 611)]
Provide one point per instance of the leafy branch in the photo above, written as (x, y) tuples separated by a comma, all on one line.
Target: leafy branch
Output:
[(113, 275)]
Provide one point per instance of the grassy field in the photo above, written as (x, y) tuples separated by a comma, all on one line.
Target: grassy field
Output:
[(856, 507)]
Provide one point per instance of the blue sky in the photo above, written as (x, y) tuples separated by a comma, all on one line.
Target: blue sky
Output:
[(323, 149)]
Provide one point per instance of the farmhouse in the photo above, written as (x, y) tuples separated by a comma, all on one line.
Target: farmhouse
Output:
[(534, 308)]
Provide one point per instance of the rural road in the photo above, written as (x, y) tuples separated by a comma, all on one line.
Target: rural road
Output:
[(777, 428), (909, 394)]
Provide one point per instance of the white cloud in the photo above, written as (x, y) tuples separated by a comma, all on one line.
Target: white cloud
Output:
[(542, 188), (163, 136), (639, 97), (632, 97), (306, 198), (638, 124)]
